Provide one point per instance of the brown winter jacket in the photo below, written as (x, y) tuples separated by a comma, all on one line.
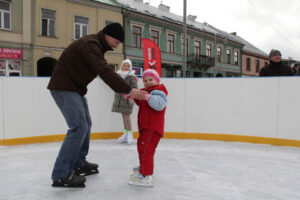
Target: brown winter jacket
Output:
[(81, 62)]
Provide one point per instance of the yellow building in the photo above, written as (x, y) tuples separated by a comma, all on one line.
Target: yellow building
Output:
[(46, 28), (15, 37)]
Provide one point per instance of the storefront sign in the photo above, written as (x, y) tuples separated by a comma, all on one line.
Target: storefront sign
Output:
[(11, 53)]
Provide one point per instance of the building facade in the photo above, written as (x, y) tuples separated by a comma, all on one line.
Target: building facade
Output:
[(253, 59), (38, 31), (210, 52), (15, 37)]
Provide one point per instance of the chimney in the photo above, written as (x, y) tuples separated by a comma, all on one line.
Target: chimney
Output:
[(163, 7), (233, 33), (192, 17)]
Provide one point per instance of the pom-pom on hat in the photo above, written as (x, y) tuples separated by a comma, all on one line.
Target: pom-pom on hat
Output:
[(114, 30), (153, 73)]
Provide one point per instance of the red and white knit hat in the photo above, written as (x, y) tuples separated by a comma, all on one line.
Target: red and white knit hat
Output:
[(153, 73)]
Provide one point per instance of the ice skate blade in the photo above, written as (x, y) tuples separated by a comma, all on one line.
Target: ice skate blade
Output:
[(62, 185), (139, 184)]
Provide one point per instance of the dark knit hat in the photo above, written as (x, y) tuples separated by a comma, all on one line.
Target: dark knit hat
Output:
[(274, 52), (114, 30)]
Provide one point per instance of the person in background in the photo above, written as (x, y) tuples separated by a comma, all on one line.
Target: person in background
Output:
[(122, 105), (151, 121), (276, 66), (80, 63), (296, 68)]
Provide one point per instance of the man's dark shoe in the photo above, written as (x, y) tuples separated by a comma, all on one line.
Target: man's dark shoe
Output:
[(87, 169), (72, 180)]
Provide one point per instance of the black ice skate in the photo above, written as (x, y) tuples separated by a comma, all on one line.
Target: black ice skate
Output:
[(87, 169), (72, 180)]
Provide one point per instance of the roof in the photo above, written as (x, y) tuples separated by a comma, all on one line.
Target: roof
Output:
[(163, 13), (110, 2)]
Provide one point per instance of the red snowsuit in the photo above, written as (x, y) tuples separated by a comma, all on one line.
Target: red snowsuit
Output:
[(151, 128)]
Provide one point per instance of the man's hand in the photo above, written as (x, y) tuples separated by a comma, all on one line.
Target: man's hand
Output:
[(137, 94)]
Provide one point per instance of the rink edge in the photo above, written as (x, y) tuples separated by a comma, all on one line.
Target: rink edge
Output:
[(167, 135)]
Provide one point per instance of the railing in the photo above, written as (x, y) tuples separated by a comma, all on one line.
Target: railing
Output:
[(201, 60)]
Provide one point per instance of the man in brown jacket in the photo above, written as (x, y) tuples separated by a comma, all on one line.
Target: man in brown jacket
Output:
[(79, 64)]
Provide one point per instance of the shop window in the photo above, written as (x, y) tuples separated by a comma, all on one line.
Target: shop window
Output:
[(10, 67)]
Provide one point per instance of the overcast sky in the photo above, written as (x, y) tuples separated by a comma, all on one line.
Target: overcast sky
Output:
[(267, 24)]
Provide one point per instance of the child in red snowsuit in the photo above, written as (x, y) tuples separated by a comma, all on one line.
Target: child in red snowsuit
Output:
[(151, 120)]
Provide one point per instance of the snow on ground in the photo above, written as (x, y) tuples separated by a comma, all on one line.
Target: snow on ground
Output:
[(184, 170)]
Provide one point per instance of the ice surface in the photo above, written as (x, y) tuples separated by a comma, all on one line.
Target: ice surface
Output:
[(184, 170)]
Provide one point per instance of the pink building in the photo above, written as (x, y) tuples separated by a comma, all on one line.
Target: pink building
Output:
[(253, 59)]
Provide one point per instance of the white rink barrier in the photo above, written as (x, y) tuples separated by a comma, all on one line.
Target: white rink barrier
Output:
[(259, 110)]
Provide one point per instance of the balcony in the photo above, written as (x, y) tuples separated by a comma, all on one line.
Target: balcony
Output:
[(201, 61)]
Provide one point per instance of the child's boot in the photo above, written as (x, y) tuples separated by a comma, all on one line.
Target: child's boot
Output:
[(140, 180), (129, 137), (123, 138)]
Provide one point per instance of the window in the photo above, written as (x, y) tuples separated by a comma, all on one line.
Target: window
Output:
[(155, 36), (186, 46), (248, 67), (10, 68), (197, 50), (169, 73), (208, 50), (170, 43), (5, 15), (136, 36), (228, 53), (257, 65), (236, 58), (80, 26), (219, 54), (178, 73), (48, 22)]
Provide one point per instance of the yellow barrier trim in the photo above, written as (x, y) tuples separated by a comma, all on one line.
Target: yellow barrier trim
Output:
[(168, 135)]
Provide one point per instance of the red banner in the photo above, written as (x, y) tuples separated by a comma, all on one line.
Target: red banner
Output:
[(152, 56), (11, 53)]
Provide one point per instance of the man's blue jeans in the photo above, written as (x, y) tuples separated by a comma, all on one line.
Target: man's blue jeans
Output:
[(75, 147)]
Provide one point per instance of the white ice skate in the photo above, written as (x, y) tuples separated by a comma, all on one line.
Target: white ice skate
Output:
[(140, 180), (123, 138), (129, 137)]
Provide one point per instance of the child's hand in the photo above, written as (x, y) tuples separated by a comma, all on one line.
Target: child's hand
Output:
[(146, 97), (127, 96)]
